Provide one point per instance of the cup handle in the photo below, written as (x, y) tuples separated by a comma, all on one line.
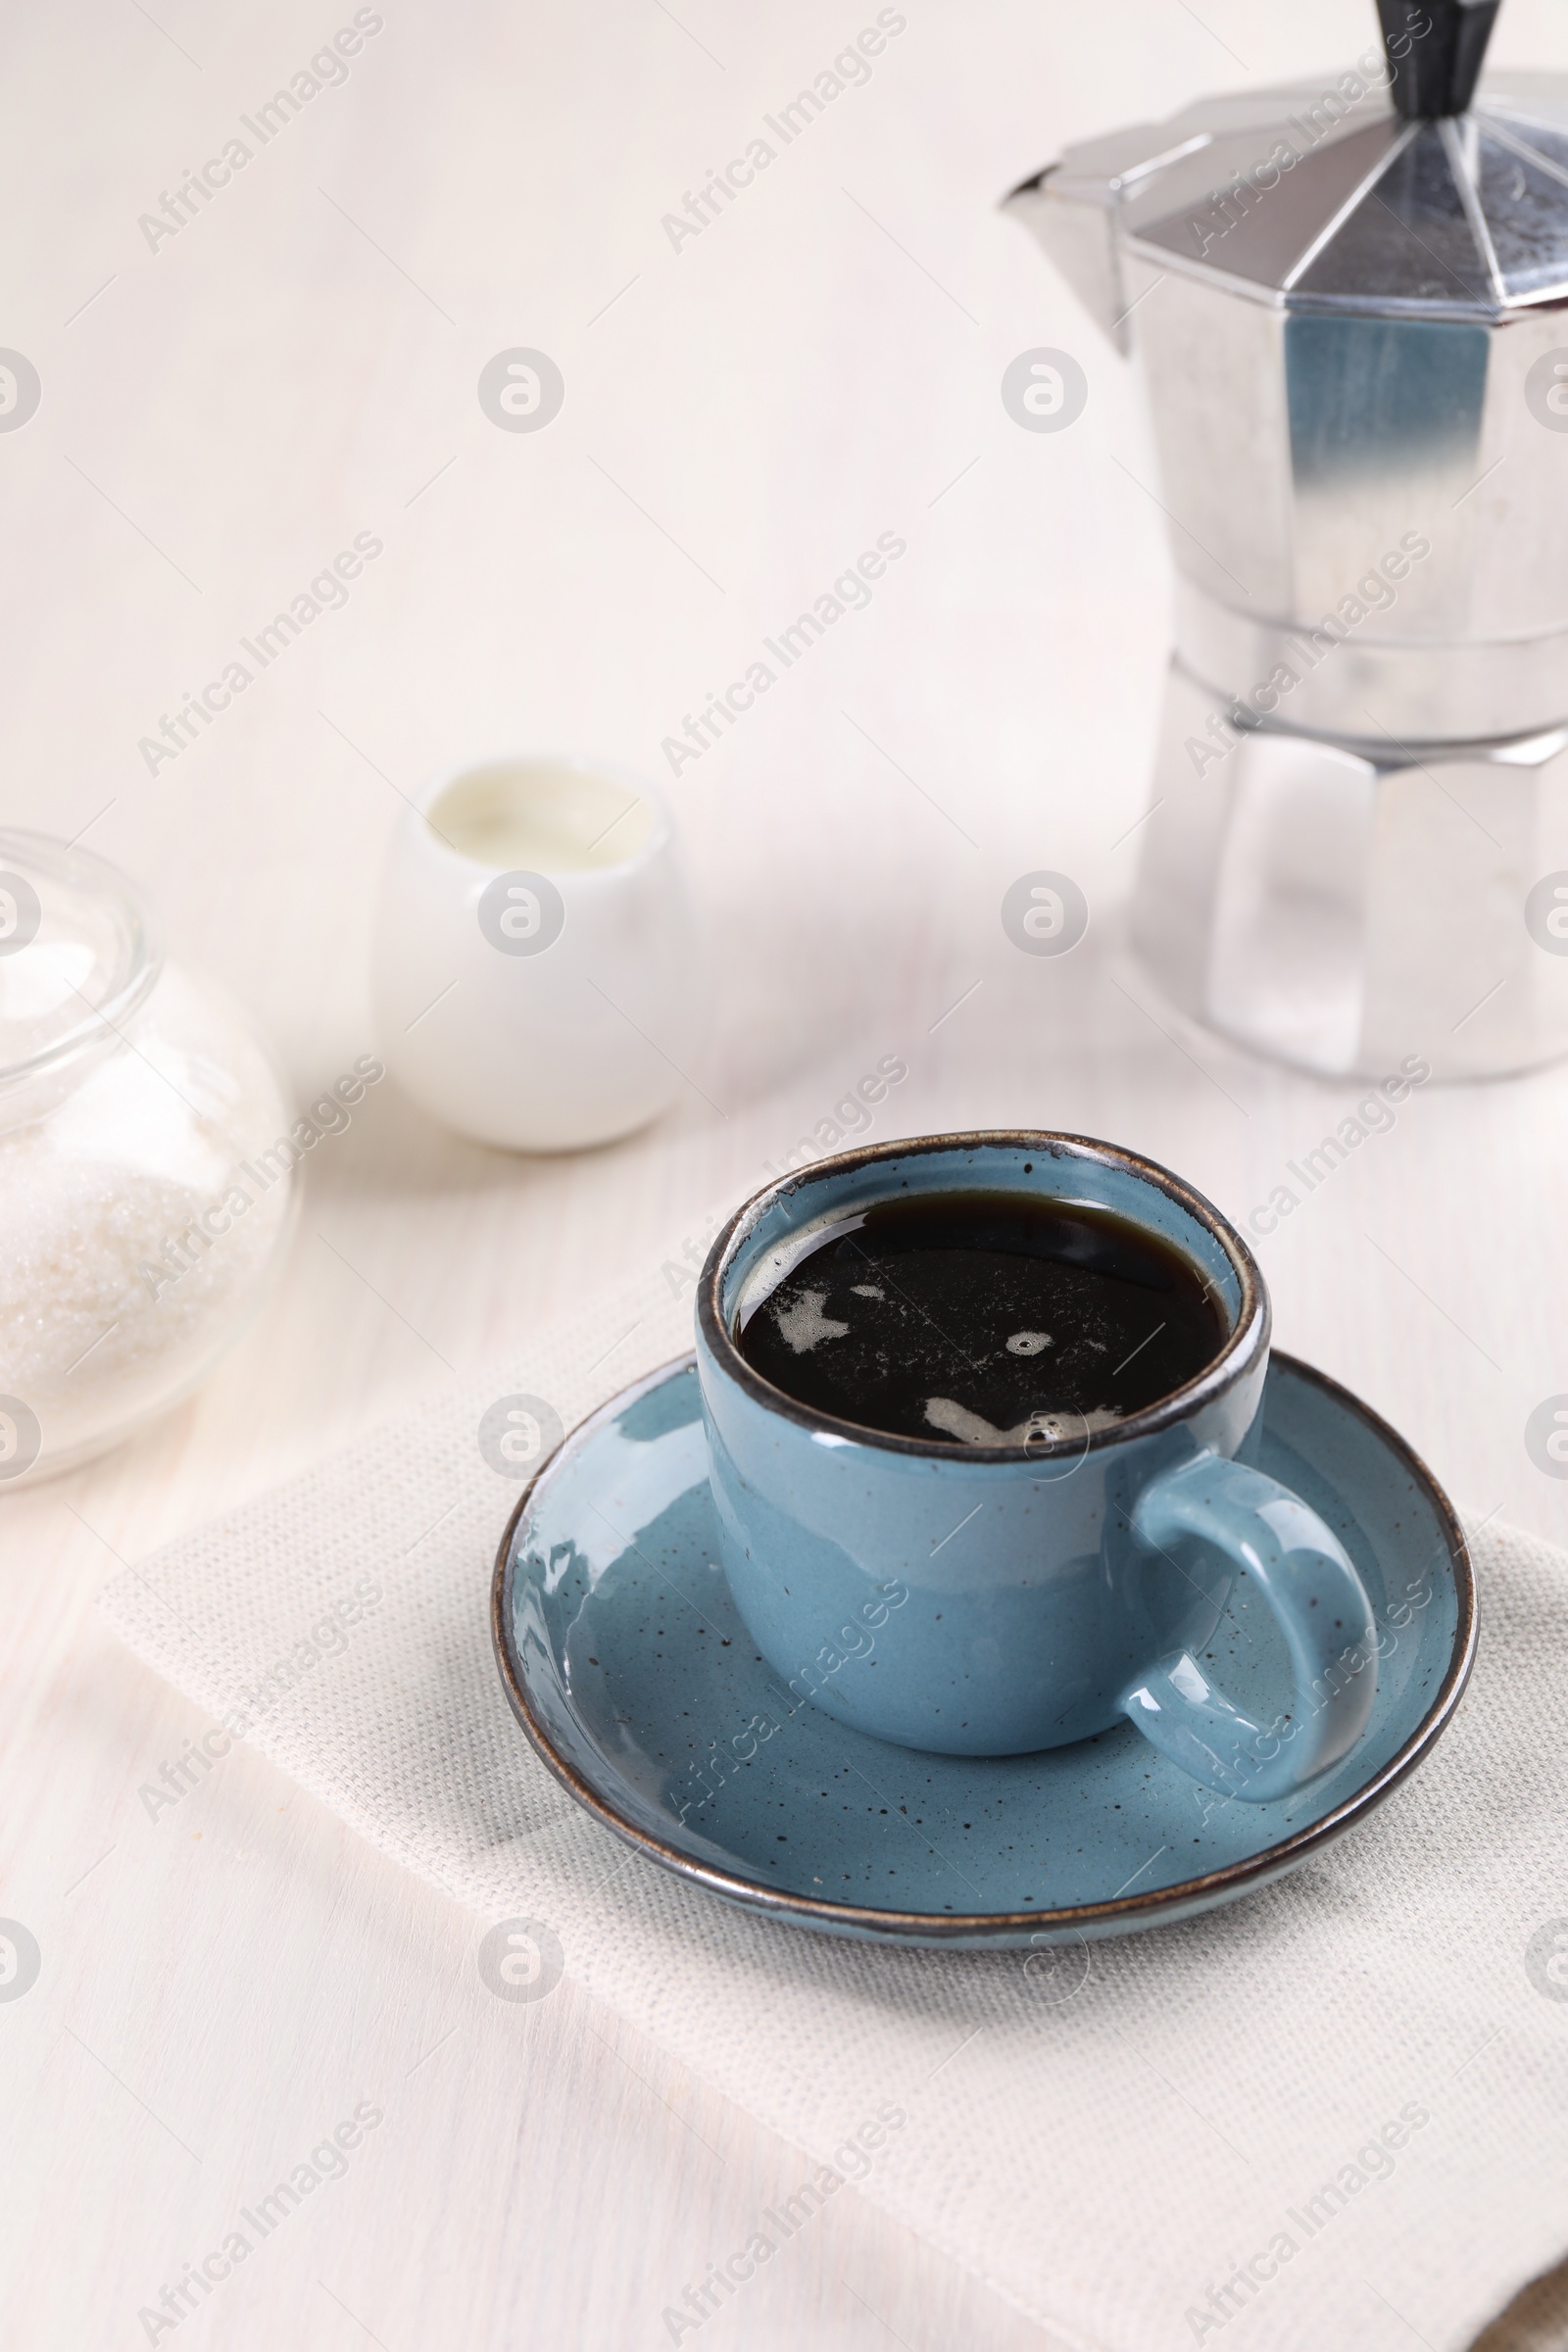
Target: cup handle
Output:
[(1300, 1568)]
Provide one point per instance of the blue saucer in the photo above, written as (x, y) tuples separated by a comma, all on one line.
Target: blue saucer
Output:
[(635, 1680)]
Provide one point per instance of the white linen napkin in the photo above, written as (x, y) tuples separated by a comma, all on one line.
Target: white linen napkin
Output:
[(1331, 2113)]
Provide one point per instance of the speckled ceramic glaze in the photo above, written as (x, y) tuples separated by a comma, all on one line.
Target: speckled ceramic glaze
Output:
[(999, 1600), (630, 1669)]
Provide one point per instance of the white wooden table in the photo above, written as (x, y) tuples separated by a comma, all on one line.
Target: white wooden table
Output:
[(223, 406)]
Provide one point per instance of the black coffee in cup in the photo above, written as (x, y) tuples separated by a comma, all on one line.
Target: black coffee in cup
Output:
[(985, 1318)]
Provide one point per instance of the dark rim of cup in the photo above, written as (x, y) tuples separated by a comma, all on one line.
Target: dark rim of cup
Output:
[(1246, 1344)]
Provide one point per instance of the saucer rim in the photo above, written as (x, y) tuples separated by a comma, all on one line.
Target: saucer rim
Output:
[(1120, 1912)]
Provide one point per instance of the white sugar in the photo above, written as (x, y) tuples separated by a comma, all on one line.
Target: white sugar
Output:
[(106, 1312)]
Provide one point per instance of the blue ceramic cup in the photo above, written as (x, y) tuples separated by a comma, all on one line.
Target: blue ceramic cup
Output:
[(997, 1600)]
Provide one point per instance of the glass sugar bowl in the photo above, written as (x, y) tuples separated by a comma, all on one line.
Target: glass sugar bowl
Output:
[(145, 1175)]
